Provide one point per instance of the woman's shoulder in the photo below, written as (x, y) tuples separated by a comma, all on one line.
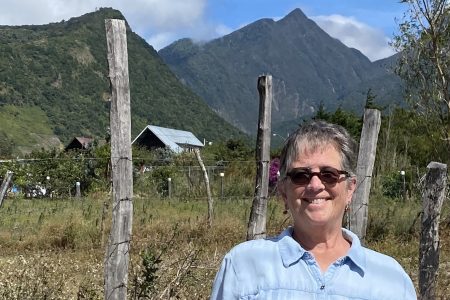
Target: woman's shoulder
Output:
[(374, 262), (386, 268), (375, 257), (256, 249)]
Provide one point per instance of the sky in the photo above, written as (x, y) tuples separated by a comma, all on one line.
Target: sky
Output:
[(367, 25)]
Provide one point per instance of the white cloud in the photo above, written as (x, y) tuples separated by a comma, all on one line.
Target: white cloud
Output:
[(370, 41), (222, 30), (200, 33), (161, 40), (158, 21), (161, 14), (162, 21)]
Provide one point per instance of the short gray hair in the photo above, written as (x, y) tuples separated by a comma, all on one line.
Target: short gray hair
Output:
[(315, 135)]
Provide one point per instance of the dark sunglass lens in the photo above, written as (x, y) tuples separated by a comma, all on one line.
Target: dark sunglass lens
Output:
[(300, 177), (329, 177)]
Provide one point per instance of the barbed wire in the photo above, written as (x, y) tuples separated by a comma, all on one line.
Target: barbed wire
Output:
[(174, 162), (119, 157)]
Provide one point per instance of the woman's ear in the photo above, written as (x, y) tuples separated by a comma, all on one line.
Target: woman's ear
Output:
[(351, 187)]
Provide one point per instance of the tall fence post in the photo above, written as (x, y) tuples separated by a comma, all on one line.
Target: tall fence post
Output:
[(78, 189), (222, 174), (118, 249), (256, 228), (208, 189), (432, 200), (169, 187), (5, 185), (359, 206)]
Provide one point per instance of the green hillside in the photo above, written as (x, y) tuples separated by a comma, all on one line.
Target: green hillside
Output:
[(61, 68), (30, 126)]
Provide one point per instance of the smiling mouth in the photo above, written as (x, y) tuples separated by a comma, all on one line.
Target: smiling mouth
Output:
[(315, 201)]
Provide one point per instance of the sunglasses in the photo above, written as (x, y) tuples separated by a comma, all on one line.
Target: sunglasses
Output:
[(328, 175)]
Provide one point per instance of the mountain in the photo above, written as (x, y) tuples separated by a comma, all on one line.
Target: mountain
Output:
[(57, 74), (308, 67)]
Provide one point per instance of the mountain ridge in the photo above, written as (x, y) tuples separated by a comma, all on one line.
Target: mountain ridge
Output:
[(308, 67)]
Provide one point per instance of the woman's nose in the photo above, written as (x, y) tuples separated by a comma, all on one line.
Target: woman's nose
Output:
[(315, 183)]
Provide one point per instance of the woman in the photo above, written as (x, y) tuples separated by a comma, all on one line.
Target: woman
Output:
[(315, 258)]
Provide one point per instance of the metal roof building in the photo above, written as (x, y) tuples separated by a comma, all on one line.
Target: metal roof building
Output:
[(159, 137)]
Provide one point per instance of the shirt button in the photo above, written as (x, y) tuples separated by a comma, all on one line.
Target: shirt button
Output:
[(322, 287)]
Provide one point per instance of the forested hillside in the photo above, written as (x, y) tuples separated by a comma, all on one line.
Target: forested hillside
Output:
[(60, 70)]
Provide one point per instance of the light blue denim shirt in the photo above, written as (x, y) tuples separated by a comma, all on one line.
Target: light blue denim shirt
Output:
[(280, 268)]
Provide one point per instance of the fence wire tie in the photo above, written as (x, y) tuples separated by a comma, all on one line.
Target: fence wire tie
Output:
[(358, 185), (117, 203), (115, 248), (359, 207), (120, 286)]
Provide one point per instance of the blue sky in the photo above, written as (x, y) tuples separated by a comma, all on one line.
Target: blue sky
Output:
[(366, 25)]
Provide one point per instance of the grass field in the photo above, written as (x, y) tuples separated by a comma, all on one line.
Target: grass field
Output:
[(53, 249)]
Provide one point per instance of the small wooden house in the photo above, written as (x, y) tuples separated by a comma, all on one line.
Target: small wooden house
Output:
[(153, 137), (80, 143)]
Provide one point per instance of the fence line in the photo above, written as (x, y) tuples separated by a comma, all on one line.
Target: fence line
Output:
[(185, 178)]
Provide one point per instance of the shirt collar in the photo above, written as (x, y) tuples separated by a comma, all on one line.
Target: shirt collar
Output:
[(356, 253), (291, 251)]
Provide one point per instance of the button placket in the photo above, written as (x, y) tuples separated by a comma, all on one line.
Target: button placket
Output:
[(314, 268)]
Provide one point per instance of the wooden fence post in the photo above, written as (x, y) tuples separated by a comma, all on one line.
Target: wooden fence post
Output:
[(5, 185), (169, 187), (256, 228), (366, 158), (208, 189), (118, 248), (77, 189), (432, 200)]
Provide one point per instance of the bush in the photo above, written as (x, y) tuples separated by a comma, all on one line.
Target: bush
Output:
[(394, 185)]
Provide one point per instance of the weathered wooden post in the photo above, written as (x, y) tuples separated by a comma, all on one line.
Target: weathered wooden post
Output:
[(169, 187), (256, 228), (222, 175), (78, 189), (5, 184), (432, 200), (208, 189), (366, 158), (118, 249)]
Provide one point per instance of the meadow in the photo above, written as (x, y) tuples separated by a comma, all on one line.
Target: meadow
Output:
[(54, 248)]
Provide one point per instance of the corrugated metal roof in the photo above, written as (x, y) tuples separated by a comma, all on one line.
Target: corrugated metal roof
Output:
[(173, 138)]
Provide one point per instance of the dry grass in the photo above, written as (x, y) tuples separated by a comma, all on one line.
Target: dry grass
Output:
[(52, 249)]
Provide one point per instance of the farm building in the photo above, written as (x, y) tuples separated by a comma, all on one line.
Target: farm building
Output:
[(81, 143), (159, 137)]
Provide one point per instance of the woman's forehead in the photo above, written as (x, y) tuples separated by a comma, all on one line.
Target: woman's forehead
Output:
[(306, 148)]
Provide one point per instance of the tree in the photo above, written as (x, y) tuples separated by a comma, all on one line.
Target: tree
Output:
[(424, 63), (370, 101), (6, 146)]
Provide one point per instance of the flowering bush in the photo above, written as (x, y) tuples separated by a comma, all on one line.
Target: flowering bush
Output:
[(274, 171)]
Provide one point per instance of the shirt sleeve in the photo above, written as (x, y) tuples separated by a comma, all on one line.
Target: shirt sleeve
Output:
[(225, 284), (410, 291)]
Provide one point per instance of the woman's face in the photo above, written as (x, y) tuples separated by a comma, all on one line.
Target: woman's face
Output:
[(318, 205)]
